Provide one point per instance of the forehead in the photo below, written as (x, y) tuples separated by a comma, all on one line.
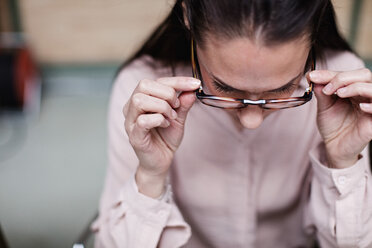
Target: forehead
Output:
[(249, 65)]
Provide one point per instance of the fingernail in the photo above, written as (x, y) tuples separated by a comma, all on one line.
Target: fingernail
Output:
[(328, 89), (195, 82), (177, 103), (365, 106), (314, 75), (174, 114), (341, 91)]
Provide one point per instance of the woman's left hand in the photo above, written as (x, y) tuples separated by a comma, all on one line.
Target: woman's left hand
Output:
[(344, 113)]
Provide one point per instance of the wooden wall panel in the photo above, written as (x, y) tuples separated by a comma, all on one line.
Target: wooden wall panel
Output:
[(343, 10), (5, 17), (364, 39), (89, 31)]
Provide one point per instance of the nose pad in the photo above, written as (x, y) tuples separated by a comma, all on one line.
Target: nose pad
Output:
[(251, 117)]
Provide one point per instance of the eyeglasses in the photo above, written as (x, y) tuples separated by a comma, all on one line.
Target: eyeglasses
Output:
[(234, 103)]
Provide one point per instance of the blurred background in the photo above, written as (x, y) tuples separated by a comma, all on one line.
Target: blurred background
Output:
[(53, 129)]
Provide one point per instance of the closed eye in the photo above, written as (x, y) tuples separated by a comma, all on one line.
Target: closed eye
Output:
[(286, 89), (225, 89), (222, 88)]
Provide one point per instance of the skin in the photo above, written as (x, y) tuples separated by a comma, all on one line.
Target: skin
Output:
[(154, 121), (155, 116), (344, 120), (253, 68)]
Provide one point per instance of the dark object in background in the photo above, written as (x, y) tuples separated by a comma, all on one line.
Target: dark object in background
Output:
[(18, 76), (3, 243), (19, 81)]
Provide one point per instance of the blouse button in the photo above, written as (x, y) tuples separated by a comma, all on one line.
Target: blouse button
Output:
[(341, 180)]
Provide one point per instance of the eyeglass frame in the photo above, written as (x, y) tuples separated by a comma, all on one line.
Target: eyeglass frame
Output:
[(245, 102)]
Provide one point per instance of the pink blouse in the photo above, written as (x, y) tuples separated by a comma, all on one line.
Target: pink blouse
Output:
[(231, 187)]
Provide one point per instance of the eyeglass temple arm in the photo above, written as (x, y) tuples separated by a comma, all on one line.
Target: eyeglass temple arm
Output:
[(313, 67), (195, 69)]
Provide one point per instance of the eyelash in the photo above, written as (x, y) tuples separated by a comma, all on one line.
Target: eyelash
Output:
[(288, 89), (223, 89)]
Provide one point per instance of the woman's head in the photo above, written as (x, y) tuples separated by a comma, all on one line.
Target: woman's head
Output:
[(252, 49), (254, 46), (241, 68), (273, 21), (268, 22)]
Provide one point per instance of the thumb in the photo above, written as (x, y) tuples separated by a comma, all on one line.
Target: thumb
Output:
[(324, 101), (320, 79), (187, 99)]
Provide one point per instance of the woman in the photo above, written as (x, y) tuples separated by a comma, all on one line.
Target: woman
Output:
[(269, 167)]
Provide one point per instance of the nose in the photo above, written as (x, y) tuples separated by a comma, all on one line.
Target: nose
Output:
[(251, 117)]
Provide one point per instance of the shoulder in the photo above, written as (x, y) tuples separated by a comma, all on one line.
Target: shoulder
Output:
[(341, 61)]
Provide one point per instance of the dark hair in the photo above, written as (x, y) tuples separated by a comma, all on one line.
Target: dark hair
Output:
[(277, 20)]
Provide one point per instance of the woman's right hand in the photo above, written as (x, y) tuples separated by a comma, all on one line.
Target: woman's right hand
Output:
[(154, 121)]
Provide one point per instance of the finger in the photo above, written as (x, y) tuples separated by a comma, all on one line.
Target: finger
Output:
[(356, 89), (142, 103), (143, 125), (126, 109), (340, 79), (366, 107), (149, 121), (321, 76), (187, 99), (158, 90), (323, 101), (180, 83)]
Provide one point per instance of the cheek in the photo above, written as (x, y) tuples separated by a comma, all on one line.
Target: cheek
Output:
[(267, 112)]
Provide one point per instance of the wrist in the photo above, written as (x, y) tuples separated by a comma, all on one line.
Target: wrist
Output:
[(150, 184), (341, 163)]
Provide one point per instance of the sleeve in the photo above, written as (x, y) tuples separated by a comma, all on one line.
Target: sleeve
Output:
[(340, 205), (128, 218)]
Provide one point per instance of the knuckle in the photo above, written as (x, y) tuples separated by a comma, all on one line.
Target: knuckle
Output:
[(144, 84), (367, 73), (125, 110), (165, 107), (159, 119), (141, 121), (137, 99), (339, 78), (172, 94), (168, 92)]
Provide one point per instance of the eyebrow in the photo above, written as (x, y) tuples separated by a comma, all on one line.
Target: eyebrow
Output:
[(230, 88)]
